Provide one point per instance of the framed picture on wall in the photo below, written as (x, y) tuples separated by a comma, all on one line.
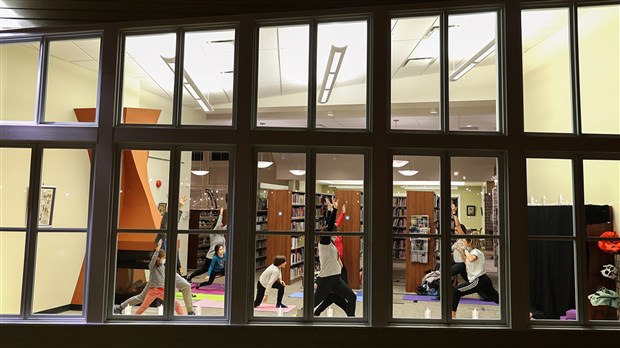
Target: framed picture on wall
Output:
[(471, 210), (46, 205)]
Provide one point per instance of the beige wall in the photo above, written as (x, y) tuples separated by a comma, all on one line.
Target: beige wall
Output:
[(18, 82), (549, 178), (12, 247), (602, 185)]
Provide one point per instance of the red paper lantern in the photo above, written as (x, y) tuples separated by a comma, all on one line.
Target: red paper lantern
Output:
[(158, 183)]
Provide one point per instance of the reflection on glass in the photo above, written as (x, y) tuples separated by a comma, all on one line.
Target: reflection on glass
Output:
[(64, 194), (12, 246), (415, 73), (143, 188), (341, 75), (148, 81), (208, 76), (415, 210), (602, 197), (72, 80), (546, 71), (339, 219), (599, 72), (19, 63), (14, 182), (478, 297), (473, 72), (59, 273), (283, 76), (552, 280)]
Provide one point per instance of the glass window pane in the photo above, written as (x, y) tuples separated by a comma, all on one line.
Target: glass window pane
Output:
[(72, 80), (144, 187), (14, 182), (547, 96), (599, 68), (478, 297), (12, 247), (204, 179), (65, 188), (280, 207), (550, 195), (341, 65), (59, 273), (283, 76), (139, 273), (19, 63), (339, 185), (473, 72), (208, 76), (415, 210), (148, 79), (601, 180), (414, 68), (552, 280)]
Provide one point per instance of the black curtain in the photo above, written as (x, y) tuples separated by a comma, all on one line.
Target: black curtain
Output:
[(552, 271)]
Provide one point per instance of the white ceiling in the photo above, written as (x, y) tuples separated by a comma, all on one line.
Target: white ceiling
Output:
[(283, 69)]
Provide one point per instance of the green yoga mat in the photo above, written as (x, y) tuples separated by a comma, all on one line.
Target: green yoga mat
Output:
[(198, 297)]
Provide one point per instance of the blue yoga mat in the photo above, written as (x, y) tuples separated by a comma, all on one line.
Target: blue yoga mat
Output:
[(300, 294), (427, 298)]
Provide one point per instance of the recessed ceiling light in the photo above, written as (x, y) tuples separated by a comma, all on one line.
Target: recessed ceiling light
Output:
[(464, 178), (456, 173)]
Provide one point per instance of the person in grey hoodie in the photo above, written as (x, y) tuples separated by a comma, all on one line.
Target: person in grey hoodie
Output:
[(214, 239), (156, 283)]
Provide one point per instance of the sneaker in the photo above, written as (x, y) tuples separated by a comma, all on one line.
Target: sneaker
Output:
[(118, 309), (191, 313), (281, 306)]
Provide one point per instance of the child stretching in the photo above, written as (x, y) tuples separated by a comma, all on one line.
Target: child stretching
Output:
[(156, 281), (217, 266), (271, 278)]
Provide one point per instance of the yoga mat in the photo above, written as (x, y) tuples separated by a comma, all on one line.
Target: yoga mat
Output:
[(209, 303), (300, 294), (198, 297), (266, 307), (464, 300)]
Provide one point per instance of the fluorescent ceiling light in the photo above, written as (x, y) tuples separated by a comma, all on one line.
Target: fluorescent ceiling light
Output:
[(398, 163), (191, 87), (334, 62), (408, 172), (200, 172), (473, 61), (264, 164), (298, 172)]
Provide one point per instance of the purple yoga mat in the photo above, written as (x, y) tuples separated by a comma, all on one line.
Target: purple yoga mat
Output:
[(213, 289), (464, 300)]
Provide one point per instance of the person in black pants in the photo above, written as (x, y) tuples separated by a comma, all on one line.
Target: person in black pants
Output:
[(329, 283), (271, 278)]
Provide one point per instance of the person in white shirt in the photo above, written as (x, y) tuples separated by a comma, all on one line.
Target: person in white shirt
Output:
[(478, 282), (271, 278)]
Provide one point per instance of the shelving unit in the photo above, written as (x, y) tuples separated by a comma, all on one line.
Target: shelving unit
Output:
[(399, 225), (261, 251), (286, 212), (261, 225), (198, 244)]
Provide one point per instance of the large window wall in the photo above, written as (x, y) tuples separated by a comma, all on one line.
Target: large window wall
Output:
[(192, 186)]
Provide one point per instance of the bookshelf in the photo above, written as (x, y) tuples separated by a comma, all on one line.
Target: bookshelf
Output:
[(419, 203), (198, 244), (399, 225), (286, 212), (261, 225)]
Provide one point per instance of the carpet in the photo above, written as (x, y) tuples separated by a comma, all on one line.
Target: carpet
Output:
[(464, 300), (268, 307), (300, 294), (209, 303)]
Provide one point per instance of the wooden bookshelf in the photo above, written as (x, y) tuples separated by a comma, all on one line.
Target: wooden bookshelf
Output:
[(286, 213), (198, 244), (419, 203), (399, 226)]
